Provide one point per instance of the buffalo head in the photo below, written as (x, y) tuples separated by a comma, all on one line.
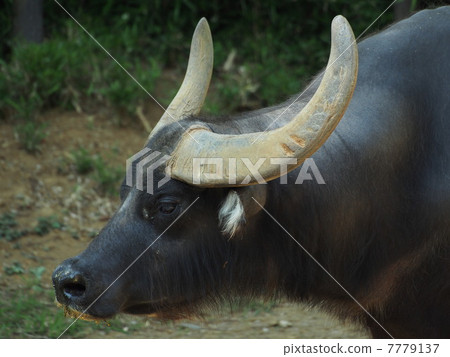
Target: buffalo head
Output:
[(196, 238)]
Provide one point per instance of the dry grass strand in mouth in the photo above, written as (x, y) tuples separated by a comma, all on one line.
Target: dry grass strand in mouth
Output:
[(74, 314)]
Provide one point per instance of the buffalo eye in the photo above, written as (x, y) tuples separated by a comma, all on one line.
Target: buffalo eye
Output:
[(167, 207), (164, 207)]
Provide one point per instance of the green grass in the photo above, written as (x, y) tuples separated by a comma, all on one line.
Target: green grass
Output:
[(83, 161), (32, 313), (106, 176), (9, 228), (65, 70), (29, 131), (120, 93), (14, 268), (46, 224), (10, 232), (69, 72), (31, 135)]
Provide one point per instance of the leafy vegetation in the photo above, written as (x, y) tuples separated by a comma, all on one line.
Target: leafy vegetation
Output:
[(275, 47), (106, 176), (9, 228), (47, 224), (14, 268), (83, 161), (31, 134)]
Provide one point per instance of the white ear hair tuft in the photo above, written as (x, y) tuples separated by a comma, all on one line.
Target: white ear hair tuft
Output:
[(231, 214)]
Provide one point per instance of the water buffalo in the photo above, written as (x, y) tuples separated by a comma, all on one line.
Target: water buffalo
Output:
[(369, 242)]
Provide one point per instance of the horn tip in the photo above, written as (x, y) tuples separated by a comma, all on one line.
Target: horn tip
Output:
[(341, 30), (339, 24), (203, 23), (339, 20), (202, 30)]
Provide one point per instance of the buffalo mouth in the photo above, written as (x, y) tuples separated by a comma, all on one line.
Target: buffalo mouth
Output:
[(73, 313), (158, 310)]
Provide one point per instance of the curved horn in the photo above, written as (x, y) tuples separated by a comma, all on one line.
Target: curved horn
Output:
[(297, 140), (192, 93)]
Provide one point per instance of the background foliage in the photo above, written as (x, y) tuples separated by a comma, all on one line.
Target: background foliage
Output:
[(264, 52)]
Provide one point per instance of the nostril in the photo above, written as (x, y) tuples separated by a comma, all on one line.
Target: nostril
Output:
[(74, 290), (71, 283), (73, 287)]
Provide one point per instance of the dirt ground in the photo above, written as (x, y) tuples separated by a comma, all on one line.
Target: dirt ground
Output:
[(46, 184)]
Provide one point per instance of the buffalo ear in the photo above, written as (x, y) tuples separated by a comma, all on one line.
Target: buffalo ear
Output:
[(239, 205), (253, 198)]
